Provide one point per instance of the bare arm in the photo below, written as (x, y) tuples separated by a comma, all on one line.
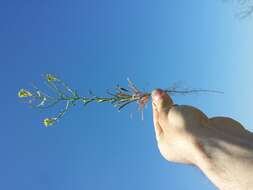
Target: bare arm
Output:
[(220, 147)]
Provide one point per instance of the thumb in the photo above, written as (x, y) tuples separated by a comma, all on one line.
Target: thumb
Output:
[(162, 101)]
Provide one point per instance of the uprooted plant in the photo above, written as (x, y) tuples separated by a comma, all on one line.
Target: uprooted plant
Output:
[(62, 94)]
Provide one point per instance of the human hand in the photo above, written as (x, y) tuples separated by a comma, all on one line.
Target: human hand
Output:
[(220, 147), (179, 129)]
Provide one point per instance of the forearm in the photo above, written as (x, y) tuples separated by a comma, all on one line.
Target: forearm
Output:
[(227, 159)]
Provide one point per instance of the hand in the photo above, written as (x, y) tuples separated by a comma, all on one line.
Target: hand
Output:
[(179, 129), (221, 147)]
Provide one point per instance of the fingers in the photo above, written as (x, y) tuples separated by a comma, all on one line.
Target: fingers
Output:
[(163, 103), (158, 128), (228, 125)]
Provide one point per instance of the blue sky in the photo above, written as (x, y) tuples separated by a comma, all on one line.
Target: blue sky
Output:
[(95, 45)]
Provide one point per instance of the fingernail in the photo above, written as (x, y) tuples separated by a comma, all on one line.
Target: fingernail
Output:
[(156, 95)]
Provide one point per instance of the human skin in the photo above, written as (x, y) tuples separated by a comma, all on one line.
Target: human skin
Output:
[(220, 147)]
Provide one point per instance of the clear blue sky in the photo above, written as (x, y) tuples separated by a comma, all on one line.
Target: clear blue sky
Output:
[(94, 45)]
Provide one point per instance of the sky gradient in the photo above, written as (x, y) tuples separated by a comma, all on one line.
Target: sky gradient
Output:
[(96, 45)]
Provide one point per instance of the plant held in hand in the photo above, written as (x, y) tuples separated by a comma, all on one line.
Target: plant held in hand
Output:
[(118, 96)]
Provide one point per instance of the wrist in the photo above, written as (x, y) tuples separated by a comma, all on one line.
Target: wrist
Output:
[(226, 160)]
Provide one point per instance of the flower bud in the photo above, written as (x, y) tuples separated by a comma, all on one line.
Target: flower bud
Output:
[(51, 78), (48, 122), (24, 93)]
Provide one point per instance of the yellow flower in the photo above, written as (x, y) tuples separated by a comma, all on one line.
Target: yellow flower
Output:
[(48, 122), (51, 78), (24, 93)]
